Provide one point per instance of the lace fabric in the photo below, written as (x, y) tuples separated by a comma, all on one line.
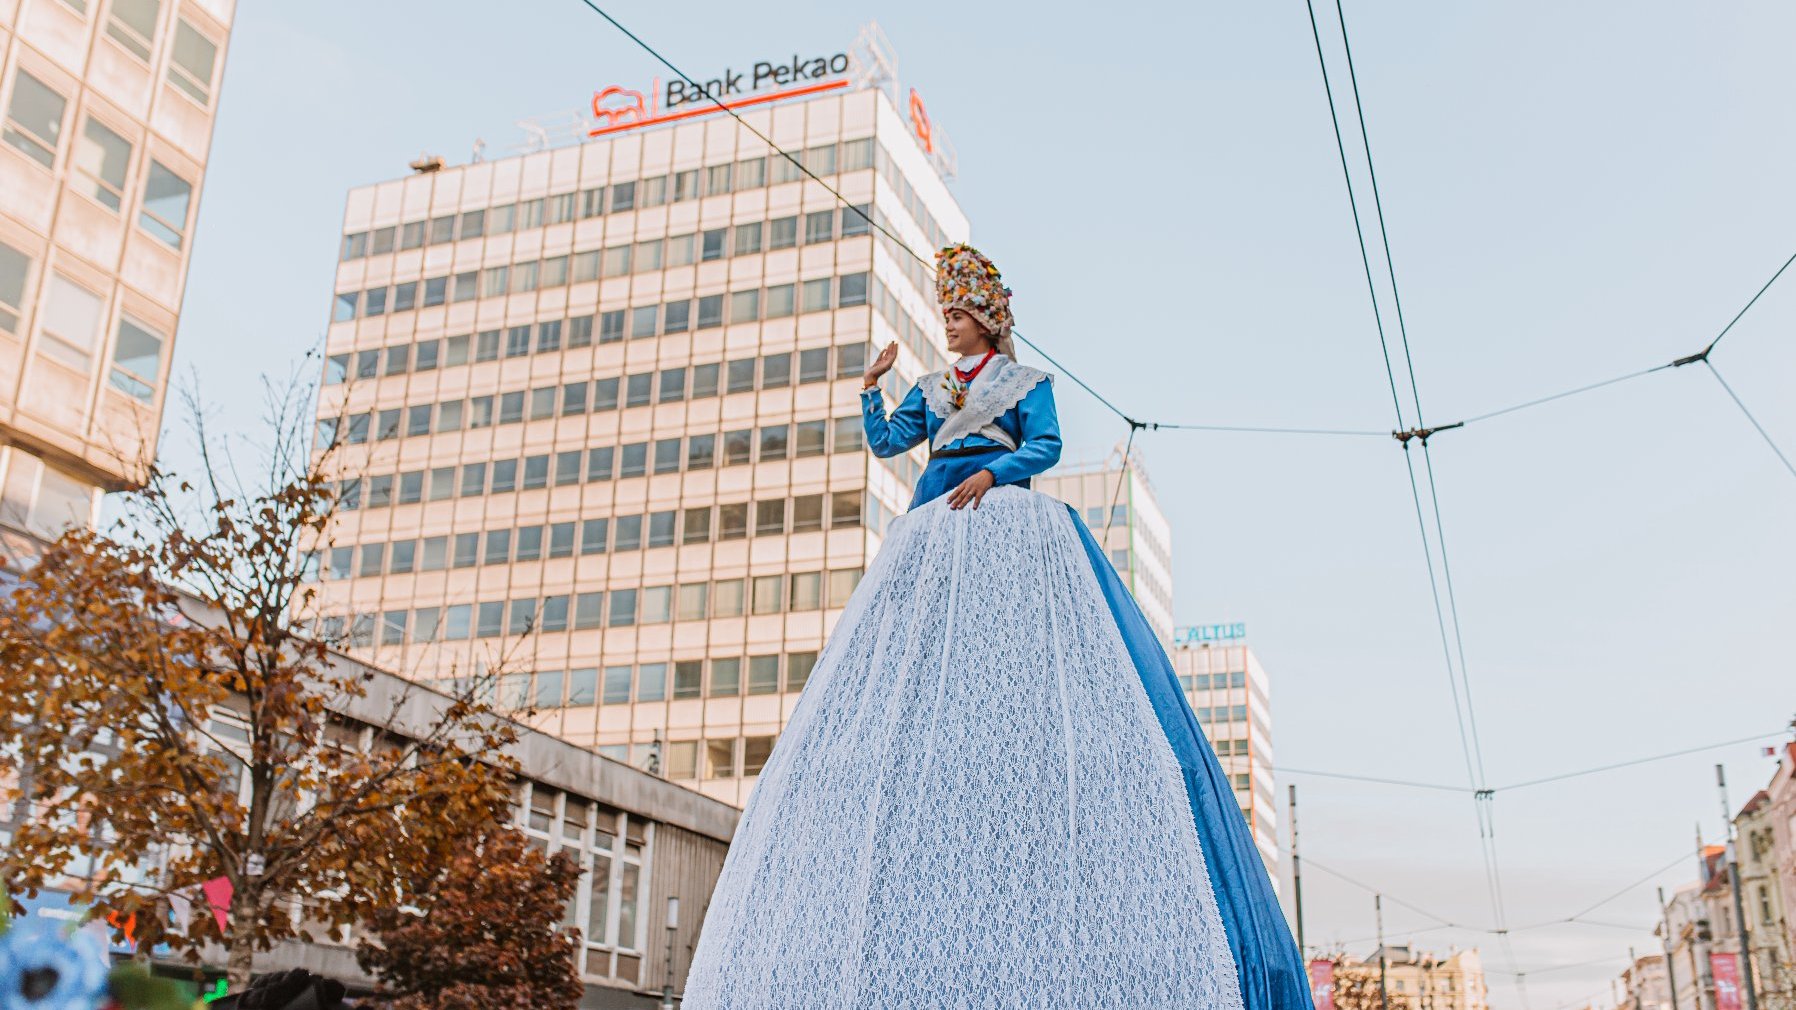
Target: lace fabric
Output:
[(972, 804), (999, 387)]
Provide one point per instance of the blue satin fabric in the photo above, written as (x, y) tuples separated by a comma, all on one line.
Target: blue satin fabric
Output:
[(1033, 424), (944, 474), (1271, 968)]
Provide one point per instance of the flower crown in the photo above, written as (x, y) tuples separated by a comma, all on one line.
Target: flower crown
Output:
[(965, 279)]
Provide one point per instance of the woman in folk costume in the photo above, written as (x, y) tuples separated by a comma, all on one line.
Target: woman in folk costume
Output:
[(992, 793)]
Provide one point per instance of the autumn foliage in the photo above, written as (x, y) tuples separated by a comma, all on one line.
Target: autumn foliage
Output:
[(483, 932)]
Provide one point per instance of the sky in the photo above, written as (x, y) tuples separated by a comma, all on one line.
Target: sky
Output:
[(1572, 192)]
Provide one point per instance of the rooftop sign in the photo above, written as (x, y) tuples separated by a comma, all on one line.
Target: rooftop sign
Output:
[(616, 108), (1202, 634)]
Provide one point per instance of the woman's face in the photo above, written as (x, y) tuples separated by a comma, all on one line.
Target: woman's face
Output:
[(965, 335)]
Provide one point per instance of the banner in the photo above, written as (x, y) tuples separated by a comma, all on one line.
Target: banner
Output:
[(1725, 967), (1322, 984)]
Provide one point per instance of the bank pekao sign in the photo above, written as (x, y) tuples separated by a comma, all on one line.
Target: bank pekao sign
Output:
[(617, 108)]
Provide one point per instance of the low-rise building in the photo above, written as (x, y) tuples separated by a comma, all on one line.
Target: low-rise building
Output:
[(1425, 980)]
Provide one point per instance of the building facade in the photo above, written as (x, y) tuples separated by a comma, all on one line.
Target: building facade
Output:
[(108, 108), (1228, 690), (1645, 984), (639, 841), (594, 414), (1117, 501), (1422, 980)]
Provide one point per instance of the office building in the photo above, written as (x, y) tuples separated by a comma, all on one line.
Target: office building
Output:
[(1227, 688), (108, 112)]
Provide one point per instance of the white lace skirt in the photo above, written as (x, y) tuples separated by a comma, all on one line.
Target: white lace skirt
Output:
[(972, 805)]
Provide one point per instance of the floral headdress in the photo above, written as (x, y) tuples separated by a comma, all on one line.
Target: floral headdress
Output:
[(965, 279)]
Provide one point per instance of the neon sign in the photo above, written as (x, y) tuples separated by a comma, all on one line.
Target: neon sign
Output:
[(919, 123), (617, 108), (1199, 634)]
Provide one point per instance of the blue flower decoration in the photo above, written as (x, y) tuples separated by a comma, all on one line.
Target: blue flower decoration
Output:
[(42, 969)]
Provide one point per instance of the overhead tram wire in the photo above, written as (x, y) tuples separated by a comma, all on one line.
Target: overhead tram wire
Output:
[(1755, 421)]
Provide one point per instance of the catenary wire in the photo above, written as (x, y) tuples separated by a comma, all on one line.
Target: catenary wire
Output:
[(1749, 304), (1785, 460)]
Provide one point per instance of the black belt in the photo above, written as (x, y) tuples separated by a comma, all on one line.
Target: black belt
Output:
[(966, 450)]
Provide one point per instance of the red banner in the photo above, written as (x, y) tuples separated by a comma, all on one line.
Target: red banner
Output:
[(1322, 984), (1726, 969)]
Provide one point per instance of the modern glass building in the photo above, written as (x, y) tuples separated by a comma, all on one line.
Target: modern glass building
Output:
[(595, 418), (106, 112), (1228, 690)]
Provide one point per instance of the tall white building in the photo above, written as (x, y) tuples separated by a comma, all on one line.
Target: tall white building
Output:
[(1119, 504), (597, 420), (1227, 688), (106, 112)]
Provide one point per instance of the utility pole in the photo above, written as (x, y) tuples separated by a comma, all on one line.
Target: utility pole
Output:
[(1671, 974), (1384, 996), (1297, 876), (1733, 876)]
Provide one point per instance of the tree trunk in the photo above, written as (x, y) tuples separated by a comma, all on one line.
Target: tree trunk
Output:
[(240, 940)]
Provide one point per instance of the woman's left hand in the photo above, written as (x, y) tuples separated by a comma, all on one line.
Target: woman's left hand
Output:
[(971, 490)]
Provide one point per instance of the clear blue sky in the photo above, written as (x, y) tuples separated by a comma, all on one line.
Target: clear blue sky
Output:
[(1573, 192)]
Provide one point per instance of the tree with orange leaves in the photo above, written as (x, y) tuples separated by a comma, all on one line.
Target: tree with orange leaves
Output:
[(176, 718)]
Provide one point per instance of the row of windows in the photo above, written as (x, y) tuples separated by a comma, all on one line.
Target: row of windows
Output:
[(71, 321), (619, 608), (192, 60), (1221, 713), (610, 851), (36, 117), (678, 187), (603, 463), (559, 271), (690, 760), (721, 677), (733, 521), (1213, 681)]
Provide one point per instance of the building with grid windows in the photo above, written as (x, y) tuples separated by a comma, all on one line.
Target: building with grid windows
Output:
[(594, 414), (1119, 504), (1227, 688), (106, 111)]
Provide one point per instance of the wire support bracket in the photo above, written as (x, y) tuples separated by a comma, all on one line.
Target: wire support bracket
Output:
[(1422, 434)]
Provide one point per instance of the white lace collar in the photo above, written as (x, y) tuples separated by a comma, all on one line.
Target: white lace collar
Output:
[(999, 386)]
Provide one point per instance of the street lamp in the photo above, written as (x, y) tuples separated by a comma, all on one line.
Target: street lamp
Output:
[(673, 926)]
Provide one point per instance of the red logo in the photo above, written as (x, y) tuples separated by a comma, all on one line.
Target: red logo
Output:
[(618, 107), (919, 122)]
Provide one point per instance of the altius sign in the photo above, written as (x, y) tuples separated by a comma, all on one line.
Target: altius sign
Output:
[(617, 108), (1201, 633)]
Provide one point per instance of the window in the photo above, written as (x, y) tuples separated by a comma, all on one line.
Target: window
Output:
[(782, 233), (542, 402), (773, 442), (523, 278), (486, 346), (442, 229), (776, 371), (374, 301), (70, 322), (848, 435), (405, 296), (530, 214), (536, 472), (841, 585), (582, 687), (436, 291), (165, 199), (505, 476), (473, 223), (688, 682), (798, 669), (710, 311), (764, 674), (548, 689), (819, 226), (594, 534), (417, 419), (857, 154), (732, 521), (807, 591), (751, 173), (467, 286), (755, 752), (15, 267), (685, 185), (815, 295), (611, 326), (821, 160), (405, 554), (667, 455), (855, 220), (599, 463), (493, 281), (851, 360), (768, 592), (411, 487), (558, 209), (381, 241), (720, 758), (622, 611), (617, 685), (136, 359), (623, 196), (770, 517), (807, 513), (742, 375), (704, 380), (589, 608), (449, 415), (737, 446), (745, 306), (784, 170), (781, 301), (105, 158), (133, 25), (354, 246), (374, 558), (851, 289), (810, 438), (473, 480), (676, 317), (643, 320), (711, 244), (567, 468), (561, 540), (380, 491), (657, 605), (34, 118), (748, 239), (845, 509), (726, 677), (717, 180), (629, 533), (682, 250), (455, 350), (498, 547), (639, 389), (529, 544), (701, 452), (511, 407), (592, 202), (548, 336), (651, 682)]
